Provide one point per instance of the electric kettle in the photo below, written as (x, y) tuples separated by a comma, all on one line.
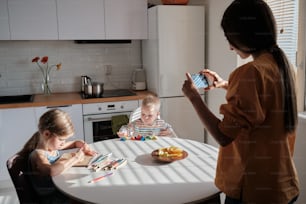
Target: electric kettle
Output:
[(85, 81), (139, 79)]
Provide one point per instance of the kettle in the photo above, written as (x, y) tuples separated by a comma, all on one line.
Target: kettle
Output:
[(85, 81), (139, 79)]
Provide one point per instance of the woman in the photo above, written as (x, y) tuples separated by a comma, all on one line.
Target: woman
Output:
[(258, 128)]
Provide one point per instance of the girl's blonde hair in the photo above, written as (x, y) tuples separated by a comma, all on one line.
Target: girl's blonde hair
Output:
[(56, 121), (151, 100)]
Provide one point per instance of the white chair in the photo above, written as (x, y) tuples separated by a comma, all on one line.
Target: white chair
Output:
[(136, 114)]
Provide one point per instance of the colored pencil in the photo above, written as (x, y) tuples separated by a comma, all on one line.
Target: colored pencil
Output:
[(100, 178)]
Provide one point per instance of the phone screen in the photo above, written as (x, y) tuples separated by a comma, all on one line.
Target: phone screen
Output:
[(199, 80)]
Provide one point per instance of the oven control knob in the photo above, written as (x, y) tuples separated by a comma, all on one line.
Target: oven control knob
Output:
[(99, 108), (122, 107)]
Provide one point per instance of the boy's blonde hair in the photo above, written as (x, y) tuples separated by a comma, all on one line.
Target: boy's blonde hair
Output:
[(151, 100)]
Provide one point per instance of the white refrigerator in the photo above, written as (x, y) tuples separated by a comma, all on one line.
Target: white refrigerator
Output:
[(175, 45)]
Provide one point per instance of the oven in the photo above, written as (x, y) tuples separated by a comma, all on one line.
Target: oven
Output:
[(97, 118)]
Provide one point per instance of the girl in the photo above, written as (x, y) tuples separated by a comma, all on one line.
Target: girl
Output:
[(54, 128), (259, 122)]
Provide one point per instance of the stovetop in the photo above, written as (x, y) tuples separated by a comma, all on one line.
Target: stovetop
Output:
[(111, 93)]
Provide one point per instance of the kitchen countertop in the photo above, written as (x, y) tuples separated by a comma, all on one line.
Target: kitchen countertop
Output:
[(58, 99)]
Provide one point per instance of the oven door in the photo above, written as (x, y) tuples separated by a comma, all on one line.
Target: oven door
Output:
[(99, 127)]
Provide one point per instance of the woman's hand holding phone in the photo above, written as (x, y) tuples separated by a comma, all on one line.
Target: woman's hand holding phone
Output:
[(216, 80)]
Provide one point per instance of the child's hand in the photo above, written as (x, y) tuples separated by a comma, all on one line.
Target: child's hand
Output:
[(87, 150), (79, 155), (124, 131), (121, 134), (165, 132)]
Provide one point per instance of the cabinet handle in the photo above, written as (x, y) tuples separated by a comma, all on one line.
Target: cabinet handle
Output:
[(62, 106), (98, 119)]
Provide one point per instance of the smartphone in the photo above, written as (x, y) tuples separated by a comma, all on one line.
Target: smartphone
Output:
[(200, 80)]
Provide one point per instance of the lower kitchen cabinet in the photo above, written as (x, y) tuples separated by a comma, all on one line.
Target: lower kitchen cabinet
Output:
[(76, 113), (17, 125)]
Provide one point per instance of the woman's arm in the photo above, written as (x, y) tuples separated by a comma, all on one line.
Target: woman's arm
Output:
[(208, 119)]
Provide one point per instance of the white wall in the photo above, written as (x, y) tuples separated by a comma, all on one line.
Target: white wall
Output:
[(299, 157), (301, 56), (18, 75), (300, 152)]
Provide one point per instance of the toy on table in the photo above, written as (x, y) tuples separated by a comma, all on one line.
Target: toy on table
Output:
[(105, 162), (139, 137)]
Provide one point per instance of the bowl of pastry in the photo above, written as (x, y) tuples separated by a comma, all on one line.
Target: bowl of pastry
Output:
[(169, 154)]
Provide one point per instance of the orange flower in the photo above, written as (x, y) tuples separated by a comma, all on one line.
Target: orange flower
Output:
[(59, 66)]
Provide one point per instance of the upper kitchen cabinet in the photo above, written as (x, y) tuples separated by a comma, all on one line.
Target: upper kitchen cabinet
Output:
[(102, 19), (4, 21), (73, 19), (80, 19), (33, 19), (126, 19)]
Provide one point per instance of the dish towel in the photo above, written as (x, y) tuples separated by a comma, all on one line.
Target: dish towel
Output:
[(118, 121)]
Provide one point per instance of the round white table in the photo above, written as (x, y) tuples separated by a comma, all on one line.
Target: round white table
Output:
[(144, 180)]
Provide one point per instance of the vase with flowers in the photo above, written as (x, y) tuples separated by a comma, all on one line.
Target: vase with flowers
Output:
[(45, 70)]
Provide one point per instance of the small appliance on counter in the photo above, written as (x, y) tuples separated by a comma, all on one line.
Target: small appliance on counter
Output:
[(97, 89), (139, 79), (86, 84)]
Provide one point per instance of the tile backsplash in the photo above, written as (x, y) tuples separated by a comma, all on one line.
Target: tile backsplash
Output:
[(18, 75)]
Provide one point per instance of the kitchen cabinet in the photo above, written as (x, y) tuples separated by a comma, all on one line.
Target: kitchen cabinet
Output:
[(73, 19), (17, 125), (4, 21), (76, 113), (102, 19), (33, 19), (80, 19), (126, 19)]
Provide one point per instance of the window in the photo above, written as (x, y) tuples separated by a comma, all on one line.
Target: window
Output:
[(292, 39), (290, 16), (286, 16)]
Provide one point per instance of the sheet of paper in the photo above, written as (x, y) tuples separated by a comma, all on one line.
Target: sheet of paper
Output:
[(82, 163)]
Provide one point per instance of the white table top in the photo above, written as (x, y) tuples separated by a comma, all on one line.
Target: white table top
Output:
[(143, 180)]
